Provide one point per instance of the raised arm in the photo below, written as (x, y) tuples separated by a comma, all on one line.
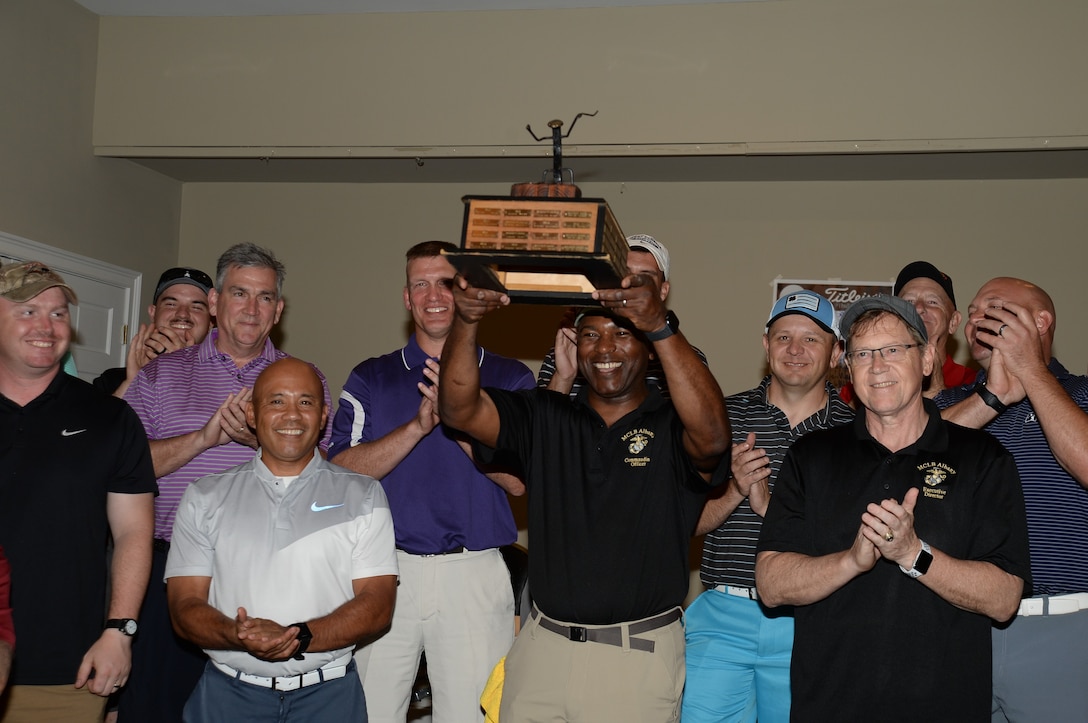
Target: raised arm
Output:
[(379, 457), (171, 454), (462, 404), (749, 474), (1018, 368), (695, 393)]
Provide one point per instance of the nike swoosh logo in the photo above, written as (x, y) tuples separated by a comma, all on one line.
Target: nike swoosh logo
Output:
[(66, 433), (314, 507)]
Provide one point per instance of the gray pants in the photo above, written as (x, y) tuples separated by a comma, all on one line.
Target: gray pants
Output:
[(1041, 669)]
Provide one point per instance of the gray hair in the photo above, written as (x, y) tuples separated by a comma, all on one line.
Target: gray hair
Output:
[(249, 255)]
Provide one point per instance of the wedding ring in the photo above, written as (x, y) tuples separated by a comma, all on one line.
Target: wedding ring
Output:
[(889, 536), (625, 302), (1001, 331)]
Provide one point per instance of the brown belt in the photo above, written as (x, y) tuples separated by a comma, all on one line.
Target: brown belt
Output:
[(612, 635)]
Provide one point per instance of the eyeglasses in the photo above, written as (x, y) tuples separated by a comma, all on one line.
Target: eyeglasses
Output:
[(891, 353)]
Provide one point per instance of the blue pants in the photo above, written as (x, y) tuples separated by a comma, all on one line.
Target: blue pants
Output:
[(219, 698), (738, 661)]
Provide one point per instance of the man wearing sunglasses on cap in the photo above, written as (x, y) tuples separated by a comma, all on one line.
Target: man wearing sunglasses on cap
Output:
[(179, 318)]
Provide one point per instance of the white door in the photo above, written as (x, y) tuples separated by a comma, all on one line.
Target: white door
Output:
[(107, 302)]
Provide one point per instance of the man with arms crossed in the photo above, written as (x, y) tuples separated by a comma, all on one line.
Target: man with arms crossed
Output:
[(616, 480), (192, 404), (286, 536), (454, 599), (898, 538), (738, 652), (1035, 407), (76, 470)]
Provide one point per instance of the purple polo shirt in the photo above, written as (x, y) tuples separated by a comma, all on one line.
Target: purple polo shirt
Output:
[(178, 393), (438, 498)]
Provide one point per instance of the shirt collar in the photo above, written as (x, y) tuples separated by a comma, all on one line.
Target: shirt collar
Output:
[(821, 415), (412, 356), (208, 351), (934, 437), (653, 399), (56, 384), (266, 475)]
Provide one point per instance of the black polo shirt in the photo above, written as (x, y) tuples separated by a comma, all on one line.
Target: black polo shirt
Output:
[(611, 510), (884, 647), (59, 457)]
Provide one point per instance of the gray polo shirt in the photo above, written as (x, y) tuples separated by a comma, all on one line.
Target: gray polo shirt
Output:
[(284, 554)]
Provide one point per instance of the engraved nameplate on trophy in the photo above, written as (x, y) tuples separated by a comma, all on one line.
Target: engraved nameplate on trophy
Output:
[(544, 250)]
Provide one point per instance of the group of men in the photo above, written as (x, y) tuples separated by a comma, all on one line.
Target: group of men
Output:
[(891, 535), (812, 567)]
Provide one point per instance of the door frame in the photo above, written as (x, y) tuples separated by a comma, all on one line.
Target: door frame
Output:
[(14, 247)]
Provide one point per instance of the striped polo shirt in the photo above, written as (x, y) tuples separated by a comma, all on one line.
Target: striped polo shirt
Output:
[(729, 552), (178, 393), (1057, 505)]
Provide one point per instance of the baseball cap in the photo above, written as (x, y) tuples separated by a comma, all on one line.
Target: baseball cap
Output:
[(924, 270), (808, 303), (642, 242), (23, 281), (182, 275), (882, 302)]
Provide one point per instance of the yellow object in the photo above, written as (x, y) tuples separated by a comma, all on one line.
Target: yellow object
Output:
[(491, 698)]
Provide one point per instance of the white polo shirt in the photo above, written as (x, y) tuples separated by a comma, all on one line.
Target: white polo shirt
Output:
[(284, 553)]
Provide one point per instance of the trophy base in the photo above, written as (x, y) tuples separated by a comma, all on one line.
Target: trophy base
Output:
[(564, 279)]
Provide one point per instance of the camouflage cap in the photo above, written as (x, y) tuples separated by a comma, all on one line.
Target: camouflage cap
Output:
[(23, 281)]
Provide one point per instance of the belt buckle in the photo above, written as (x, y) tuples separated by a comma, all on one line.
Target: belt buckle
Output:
[(577, 634), (288, 682)]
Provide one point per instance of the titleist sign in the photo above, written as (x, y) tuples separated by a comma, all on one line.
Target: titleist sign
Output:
[(840, 293)]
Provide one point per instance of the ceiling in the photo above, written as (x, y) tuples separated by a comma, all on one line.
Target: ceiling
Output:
[(229, 8)]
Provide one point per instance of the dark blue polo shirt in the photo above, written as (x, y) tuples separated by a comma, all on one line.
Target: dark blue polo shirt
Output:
[(438, 497)]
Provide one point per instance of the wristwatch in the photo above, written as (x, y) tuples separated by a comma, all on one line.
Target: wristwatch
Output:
[(672, 325), (990, 398), (921, 563), (304, 638), (127, 626)]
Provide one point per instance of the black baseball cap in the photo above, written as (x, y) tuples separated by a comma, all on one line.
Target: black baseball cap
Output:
[(924, 270), (182, 275)]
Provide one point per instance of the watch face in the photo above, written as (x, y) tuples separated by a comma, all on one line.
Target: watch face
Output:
[(129, 627), (925, 558)]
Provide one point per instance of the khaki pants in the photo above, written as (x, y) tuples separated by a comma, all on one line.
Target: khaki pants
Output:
[(53, 703), (552, 678)]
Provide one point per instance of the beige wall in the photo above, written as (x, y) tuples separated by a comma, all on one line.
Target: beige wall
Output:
[(793, 74), (344, 243), (52, 188)]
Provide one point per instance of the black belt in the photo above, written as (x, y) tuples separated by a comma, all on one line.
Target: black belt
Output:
[(611, 635), (455, 551), (160, 545)]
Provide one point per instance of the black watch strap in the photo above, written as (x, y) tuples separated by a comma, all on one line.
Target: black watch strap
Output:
[(304, 638), (127, 626), (990, 398), (672, 325)]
